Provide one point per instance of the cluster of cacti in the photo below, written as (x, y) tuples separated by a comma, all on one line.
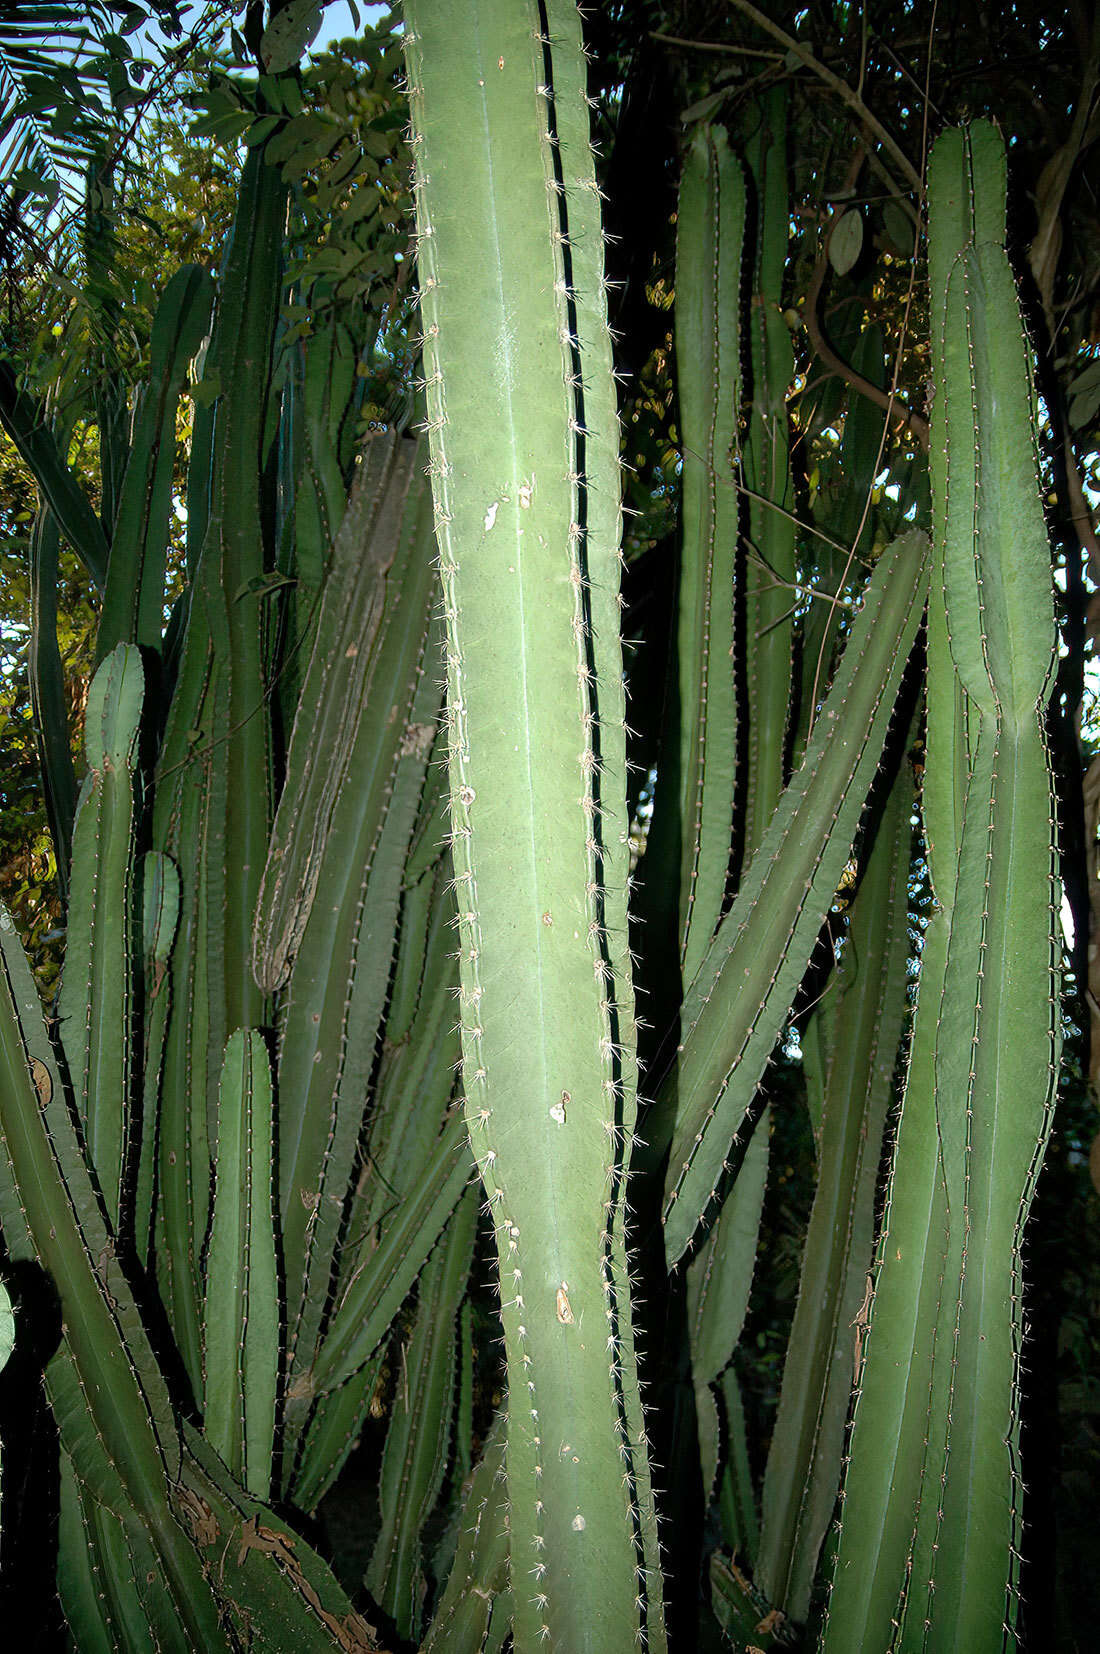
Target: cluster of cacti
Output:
[(370, 781)]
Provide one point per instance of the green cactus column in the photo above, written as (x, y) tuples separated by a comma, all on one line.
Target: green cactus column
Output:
[(929, 1544), (524, 447)]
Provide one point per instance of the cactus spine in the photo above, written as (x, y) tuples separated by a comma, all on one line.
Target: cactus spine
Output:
[(525, 478)]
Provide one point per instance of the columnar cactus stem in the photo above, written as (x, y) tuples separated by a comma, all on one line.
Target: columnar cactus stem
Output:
[(213, 794), (133, 603), (930, 1534), (417, 1449), (742, 993), (769, 566), (479, 1573), (96, 1007), (241, 1326), (688, 848), (525, 477), (856, 1032)]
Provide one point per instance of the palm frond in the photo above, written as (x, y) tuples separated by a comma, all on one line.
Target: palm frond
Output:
[(69, 85)]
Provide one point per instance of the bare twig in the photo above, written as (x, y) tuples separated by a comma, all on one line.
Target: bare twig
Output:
[(888, 400), (843, 91), (727, 48)]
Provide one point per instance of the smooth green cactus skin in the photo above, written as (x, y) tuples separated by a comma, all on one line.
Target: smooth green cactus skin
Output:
[(410, 1181), (719, 1278), (369, 559), (384, 1272), (165, 1496), (929, 1538), (366, 722), (769, 563), (112, 1406), (526, 486), (329, 951), (160, 907), (232, 561)]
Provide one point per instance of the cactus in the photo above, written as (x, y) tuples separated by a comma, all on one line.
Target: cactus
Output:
[(416, 1451), (856, 1036), (525, 478), (241, 1323), (477, 1585), (744, 988), (343, 826), (160, 906), (939, 1398), (244, 1149), (769, 564), (689, 844), (719, 1278), (96, 1012), (133, 601), (131, 1472)]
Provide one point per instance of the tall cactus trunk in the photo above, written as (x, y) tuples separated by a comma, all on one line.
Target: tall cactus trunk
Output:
[(524, 443), (929, 1537)]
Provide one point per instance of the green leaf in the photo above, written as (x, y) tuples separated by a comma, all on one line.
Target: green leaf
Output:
[(289, 33), (846, 242), (7, 1326)]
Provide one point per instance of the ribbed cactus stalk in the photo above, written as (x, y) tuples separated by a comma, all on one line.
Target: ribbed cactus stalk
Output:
[(525, 476), (744, 988), (241, 1325), (412, 1175), (769, 563), (345, 1041), (849, 1053), (756, 589), (160, 908), (213, 797), (929, 1539), (414, 1461), (366, 720), (477, 1588), (688, 846), (96, 1011), (133, 603), (143, 1498)]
